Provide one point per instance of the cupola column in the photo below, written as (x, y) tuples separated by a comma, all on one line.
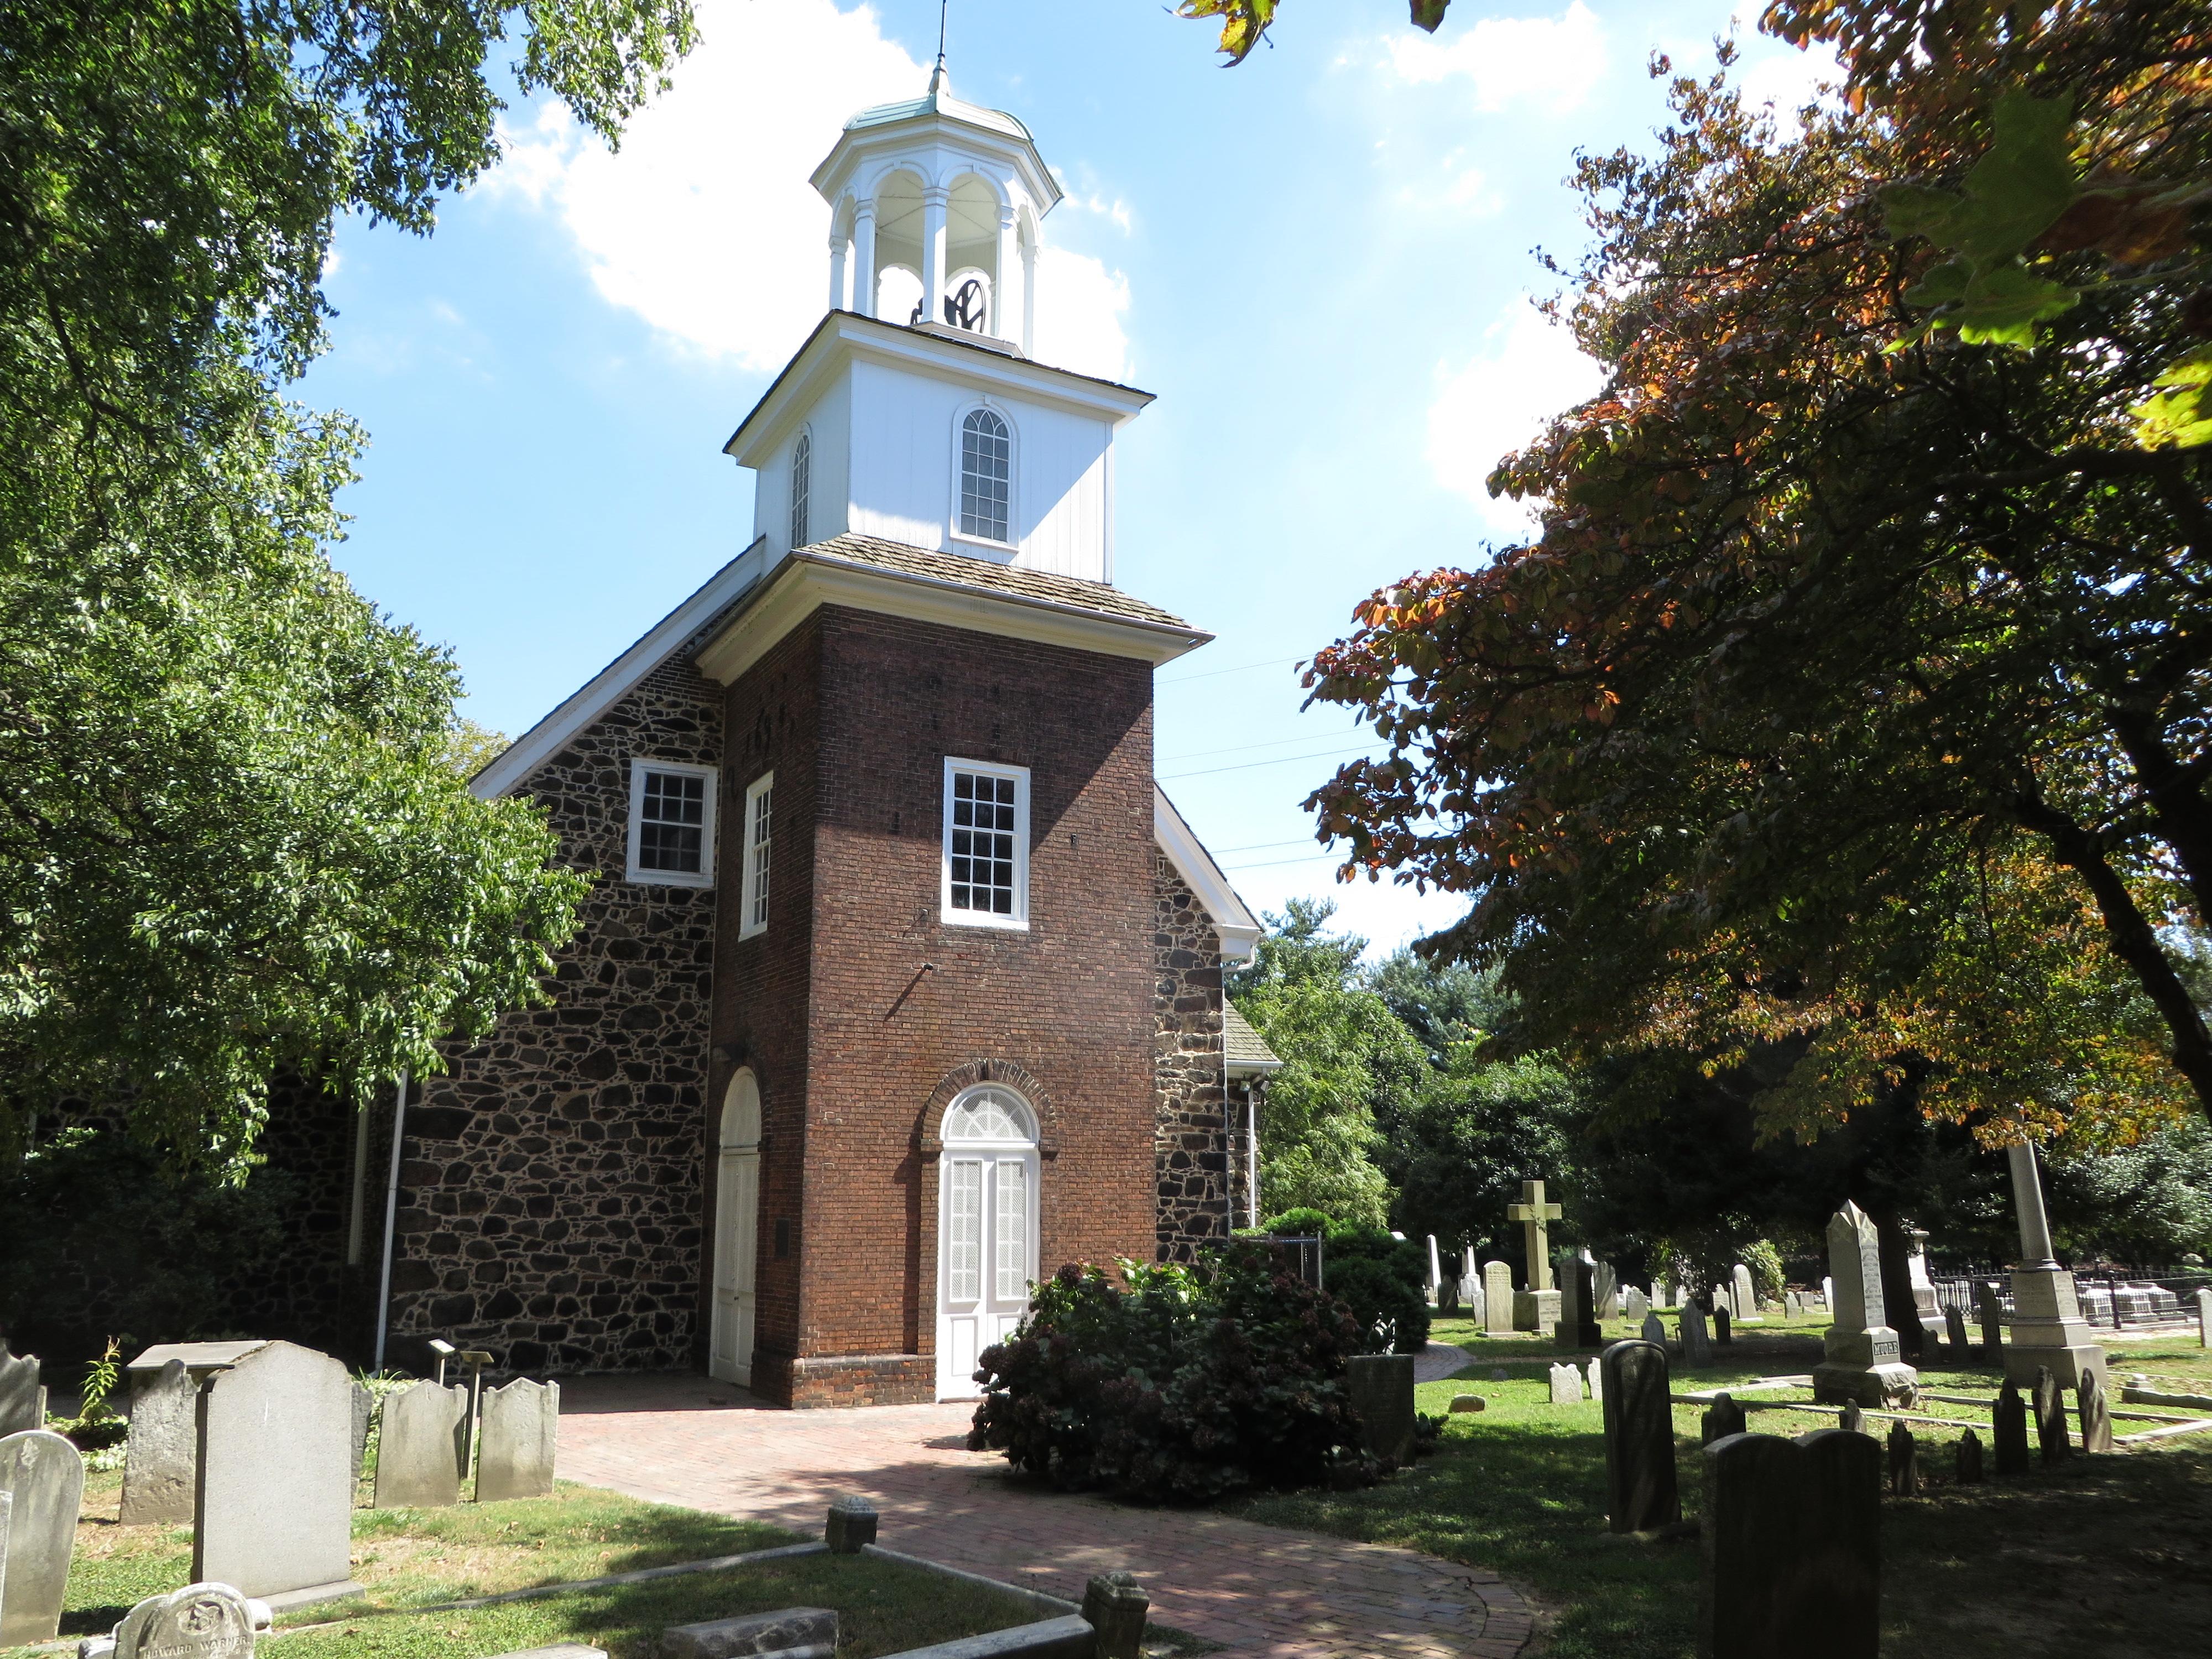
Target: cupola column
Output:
[(1029, 296), (864, 258), (838, 242), (1002, 280), (933, 254)]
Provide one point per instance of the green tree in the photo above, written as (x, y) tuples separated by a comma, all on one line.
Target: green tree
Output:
[(231, 837), (1347, 1061)]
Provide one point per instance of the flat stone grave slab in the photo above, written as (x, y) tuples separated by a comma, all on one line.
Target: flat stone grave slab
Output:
[(754, 1634)]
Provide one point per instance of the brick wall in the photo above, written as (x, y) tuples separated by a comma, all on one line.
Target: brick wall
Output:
[(549, 1197), (1191, 1150)]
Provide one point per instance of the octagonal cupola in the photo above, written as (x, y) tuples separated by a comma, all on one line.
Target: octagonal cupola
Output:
[(934, 206)]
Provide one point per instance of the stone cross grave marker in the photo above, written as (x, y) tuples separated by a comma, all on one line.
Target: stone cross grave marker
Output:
[(423, 1450), (200, 1621), (1498, 1299), (22, 1401), (1696, 1347), (2050, 1416), (2204, 1319), (274, 1512), (1531, 1213), (161, 1461), (522, 1437), (1566, 1385), (2096, 1414), (1380, 1387), (1988, 1305), (1792, 1556), (2008, 1431), (43, 1475), (1724, 1417), (1641, 1493), (1954, 1331), (1634, 1305), (1969, 1468), (1903, 1462), (1655, 1331), (1862, 1360), (1743, 1298)]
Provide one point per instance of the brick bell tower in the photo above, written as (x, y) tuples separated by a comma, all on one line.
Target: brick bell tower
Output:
[(935, 1022)]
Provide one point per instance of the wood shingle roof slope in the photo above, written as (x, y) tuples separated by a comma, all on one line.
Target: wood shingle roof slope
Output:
[(1245, 1049)]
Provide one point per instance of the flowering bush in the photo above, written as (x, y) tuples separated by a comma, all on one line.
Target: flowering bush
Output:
[(1184, 1385)]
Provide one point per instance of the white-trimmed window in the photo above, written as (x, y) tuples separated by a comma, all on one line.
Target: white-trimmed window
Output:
[(802, 471), (752, 897), (987, 471), (672, 824), (987, 844)]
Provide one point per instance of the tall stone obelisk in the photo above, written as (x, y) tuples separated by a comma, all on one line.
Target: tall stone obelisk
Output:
[(2047, 1327)]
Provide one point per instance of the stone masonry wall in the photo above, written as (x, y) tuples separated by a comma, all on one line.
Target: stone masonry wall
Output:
[(551, 1188), (1191, 1148)]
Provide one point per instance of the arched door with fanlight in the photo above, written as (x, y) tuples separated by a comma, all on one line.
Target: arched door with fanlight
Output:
[(987, 1230), (736, 1228)]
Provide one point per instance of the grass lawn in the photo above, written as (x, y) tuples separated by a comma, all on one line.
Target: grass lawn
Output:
[(410, 1559), (2109, 1556)]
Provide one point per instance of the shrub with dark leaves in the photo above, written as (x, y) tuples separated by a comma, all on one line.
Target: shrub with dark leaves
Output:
[(1186, 1384)]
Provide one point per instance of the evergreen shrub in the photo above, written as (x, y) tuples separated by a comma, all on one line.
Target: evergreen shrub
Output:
[(1185, 1385)]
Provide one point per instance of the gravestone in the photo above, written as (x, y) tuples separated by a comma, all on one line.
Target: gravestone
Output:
[(2050, 1402), (1608, 1283), (1954, 1330), (2096, 1414), (200, 1621), (1537, 1307), (1470, 1402), (1595, 1375), (1792, 1304), (1852, 1419), (1744, 1301), (1724, 1328), (422, 1450), (1970, 1458), (1697, 1348), (364, 1408), (1791, 1558), (1655, 1331), (1436, 1268), (1577, 1324), (1566, 1385), (1477, 1304), (1723, 1297), (1468, 1268), (1860, 1361), (1903, 1462), (521, 1436), (274, 1515), (850, 1525), (2008, 1431), (22, 1401), (1380, 1387), (2204, 1319), (161, 1461), (1641, 1493), (43, 1475), (1989, 1304), (1722, 1419), (1634, 1305), (1497, 1299)]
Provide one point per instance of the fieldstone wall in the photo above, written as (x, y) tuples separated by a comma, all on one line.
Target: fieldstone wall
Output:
[(1191, 1147), (551, 1185)]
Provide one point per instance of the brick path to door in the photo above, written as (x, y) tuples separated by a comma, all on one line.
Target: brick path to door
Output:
[(1257, 1590)]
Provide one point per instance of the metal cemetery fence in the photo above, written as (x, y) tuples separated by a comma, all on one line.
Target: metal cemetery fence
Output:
[(2117, 1299)]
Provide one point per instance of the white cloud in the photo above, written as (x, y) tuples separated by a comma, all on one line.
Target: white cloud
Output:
[(703, 222), (1549, 61), (1530, 370)]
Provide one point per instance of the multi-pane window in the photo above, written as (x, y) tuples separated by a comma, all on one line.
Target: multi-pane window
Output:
[(1009, 1237), (802, 468), (986, 814), (672, 824), (987, 450), (753, 900), (965, 1233)]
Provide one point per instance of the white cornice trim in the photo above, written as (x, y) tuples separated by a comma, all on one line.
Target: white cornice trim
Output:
[(1238, 928), (619, 677), (804, 583), (843, 336)]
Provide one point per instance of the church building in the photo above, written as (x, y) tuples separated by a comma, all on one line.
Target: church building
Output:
[(900, 983)]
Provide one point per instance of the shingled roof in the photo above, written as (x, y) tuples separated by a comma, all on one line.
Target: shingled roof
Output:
[(1245, 1049), (988, 576)]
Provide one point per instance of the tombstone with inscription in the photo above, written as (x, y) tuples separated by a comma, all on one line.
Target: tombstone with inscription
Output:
[(1696, 1347), (1497, 1299), (1862, 1361), (1959, 1348), (2096, 1414), (43, 1476), (2008, 1431), (1743, 1296), (1537, 1307), (1577, 1324), (1721, 1419), (1566, 1385), (22, 1401), (274, 1516), (1381, 1389), (1641, 1493), (2050, 1405), (422, 1450), (1792, 1547), (161, 1461), (200, 1621), (521, 1432)]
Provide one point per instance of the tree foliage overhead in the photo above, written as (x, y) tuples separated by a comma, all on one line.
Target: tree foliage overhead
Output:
[(229, 837)]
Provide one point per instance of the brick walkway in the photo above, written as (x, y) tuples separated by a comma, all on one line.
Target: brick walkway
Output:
[(1256, 1590)]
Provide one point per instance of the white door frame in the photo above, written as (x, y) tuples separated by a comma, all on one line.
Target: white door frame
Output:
[(992, 1131), (737, 1232)]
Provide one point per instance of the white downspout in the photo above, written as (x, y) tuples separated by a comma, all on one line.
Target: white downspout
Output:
[(391, 1211)]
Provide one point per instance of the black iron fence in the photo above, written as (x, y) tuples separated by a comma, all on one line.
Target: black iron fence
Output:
[(2117, 1299)]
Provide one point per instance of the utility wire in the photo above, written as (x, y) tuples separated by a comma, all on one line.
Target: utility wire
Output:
[(1245, 748), (1280, 760), (1212, 673)]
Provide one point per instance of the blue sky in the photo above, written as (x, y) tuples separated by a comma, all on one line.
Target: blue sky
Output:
[(1319, 261)]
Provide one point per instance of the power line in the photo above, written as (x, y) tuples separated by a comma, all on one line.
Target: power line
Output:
[(1280, 760), (1212, 673), (1276, 864), (1244, 748), (1264, 846)]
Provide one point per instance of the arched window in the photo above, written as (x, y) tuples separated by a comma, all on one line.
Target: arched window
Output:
[(995, 1115), (986, 464), (802, 465)]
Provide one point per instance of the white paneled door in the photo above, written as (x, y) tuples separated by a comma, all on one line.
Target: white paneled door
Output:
[(987, 1230), (737, 1229)]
